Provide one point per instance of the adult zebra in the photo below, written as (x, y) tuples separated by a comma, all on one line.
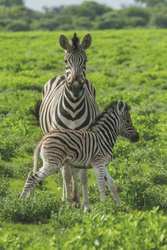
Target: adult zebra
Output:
[(68, 102), (87, 149)]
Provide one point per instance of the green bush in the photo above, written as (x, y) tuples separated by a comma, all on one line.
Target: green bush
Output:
[(155, 196), (135, 11), (6, 169), (125, 64), (137, 22), (7, 148), (159, 20), (127, 231), (4, 186), (18, 25), (159, 176), (109, 20), (29, 210)]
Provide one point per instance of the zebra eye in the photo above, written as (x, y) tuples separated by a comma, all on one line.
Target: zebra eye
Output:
[(128, 121), (65, 61)]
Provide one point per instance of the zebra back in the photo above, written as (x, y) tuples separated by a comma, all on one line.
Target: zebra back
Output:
[(84, 148)]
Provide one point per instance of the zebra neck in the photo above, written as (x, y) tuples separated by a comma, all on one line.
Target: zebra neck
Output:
[(106, 128), (68, 100)]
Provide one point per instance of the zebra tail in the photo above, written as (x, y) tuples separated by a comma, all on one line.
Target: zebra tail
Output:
[(36, 157), (36, 167)]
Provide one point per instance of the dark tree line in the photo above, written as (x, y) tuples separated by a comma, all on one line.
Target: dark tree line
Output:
[(14, 16)]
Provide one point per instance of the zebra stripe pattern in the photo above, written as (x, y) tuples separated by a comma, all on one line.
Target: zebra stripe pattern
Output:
[(69, 103), (86, 149), (59, 110)]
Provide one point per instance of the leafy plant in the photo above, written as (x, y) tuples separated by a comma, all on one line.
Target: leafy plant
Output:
[(28, 210), (125, 64)]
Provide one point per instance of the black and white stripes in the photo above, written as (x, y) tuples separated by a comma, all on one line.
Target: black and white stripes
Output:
[(85, 149), (69, 103), (59, 110)]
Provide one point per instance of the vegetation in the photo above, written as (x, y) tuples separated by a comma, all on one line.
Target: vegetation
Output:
[(151, 3), (122, 64), (14, 16)]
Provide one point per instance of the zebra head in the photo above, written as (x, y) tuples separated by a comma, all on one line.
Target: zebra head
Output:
[(75, 59), (126, 128)]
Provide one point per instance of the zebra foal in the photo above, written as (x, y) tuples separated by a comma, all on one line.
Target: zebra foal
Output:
[(85, 149)]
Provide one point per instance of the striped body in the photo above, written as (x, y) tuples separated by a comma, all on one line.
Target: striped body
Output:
[(59, 111), (79, 149), (69, 103), (85, 149)]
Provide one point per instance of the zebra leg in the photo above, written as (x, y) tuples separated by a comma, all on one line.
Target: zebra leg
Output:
[(75, 190), (111, 185), (31, 188), (34, 179), (84, 181), (99, 172), (67, 174)]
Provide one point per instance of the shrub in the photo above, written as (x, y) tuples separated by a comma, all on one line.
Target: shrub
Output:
[(6, 169), (134, 190), (7, 148), (29, 210), (109, 20), (159, 176), (4, 186), (135, 11), (155, 196), (123, 231), (159, 20), (18, 25), (137, 22)]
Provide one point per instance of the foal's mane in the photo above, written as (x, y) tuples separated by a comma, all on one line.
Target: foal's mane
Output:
[(105, 111)]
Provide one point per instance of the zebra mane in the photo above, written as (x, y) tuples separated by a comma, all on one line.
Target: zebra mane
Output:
[(75, 41), (112, 105)]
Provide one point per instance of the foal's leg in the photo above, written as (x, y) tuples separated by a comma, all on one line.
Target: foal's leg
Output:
[(75, 189), (111, 185), (34, 179), (84, 181), (67, 174), (99, 172)]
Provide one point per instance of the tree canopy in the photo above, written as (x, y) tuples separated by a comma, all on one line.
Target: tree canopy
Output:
[(14, 16), (151, 3), (10, 3)]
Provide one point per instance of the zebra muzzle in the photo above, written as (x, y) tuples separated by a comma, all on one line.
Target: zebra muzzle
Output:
[(76, 88), (134, 137)]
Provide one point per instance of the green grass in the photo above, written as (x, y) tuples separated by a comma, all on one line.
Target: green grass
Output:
[(122, 64)]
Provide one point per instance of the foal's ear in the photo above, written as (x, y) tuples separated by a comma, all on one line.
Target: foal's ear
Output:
[(120, 106), (64, 42), (86, 41)]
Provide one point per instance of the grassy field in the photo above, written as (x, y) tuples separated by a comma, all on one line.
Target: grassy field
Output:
[(125, 64)]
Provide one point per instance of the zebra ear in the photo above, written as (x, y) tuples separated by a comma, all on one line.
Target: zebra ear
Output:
[(86, 41), (120, 106), (64, 42)]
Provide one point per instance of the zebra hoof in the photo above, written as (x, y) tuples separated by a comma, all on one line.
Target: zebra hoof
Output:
[(87, 210), (77, 205), (125, 210)]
